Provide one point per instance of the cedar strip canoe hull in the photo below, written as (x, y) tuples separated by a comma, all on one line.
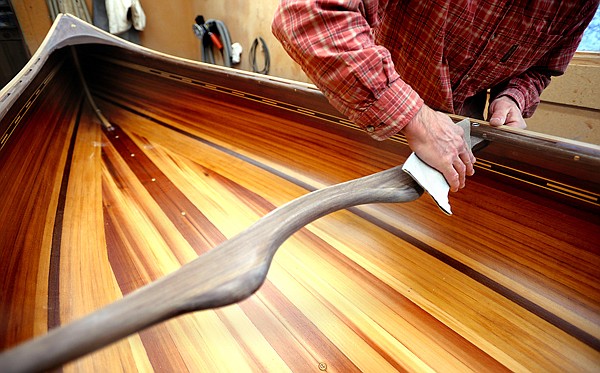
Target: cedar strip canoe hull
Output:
[(510, 282)]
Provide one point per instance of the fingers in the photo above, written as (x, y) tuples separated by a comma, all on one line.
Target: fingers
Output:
[(455, 175), (504, 111), (499, 114), (468, 160), (462, 164), (461, 167), (453, 179)]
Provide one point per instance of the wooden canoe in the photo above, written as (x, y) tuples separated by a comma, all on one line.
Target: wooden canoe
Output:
[(200, 152)]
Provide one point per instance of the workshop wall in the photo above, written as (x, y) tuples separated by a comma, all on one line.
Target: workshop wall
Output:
[(34, 20), (169, 28), (247, 20), (570, 106)]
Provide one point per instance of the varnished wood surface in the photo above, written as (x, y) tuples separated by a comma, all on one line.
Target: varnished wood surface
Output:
[(31, 173), (510, 282)]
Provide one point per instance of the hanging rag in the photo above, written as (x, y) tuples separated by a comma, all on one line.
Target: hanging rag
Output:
[(122, 14)]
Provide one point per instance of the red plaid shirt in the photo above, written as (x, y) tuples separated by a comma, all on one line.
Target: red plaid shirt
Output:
[(370, 58)]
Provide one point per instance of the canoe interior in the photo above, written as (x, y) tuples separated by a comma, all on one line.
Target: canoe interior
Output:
[(509, 282)]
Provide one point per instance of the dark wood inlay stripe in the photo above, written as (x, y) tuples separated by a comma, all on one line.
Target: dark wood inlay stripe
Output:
[(54, 269)]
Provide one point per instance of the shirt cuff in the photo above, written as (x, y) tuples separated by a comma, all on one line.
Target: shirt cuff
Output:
[(391, 112), (515, 95)]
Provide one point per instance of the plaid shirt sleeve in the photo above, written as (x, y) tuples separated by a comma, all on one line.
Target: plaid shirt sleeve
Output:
[(433, 45), (332, 41), (526, 88)]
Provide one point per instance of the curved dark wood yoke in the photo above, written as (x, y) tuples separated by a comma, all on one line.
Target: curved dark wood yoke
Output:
[(508, 283), (230, 273)]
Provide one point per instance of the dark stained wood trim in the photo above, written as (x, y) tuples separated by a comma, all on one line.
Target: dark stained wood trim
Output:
[(54, 269)]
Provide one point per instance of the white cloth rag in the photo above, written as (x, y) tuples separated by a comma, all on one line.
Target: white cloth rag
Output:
[(117, 10)]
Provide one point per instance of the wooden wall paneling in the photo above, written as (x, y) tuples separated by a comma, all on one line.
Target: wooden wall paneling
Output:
[(169, 28), (34, 20), (579, 85), (577, 123), (570, 106)]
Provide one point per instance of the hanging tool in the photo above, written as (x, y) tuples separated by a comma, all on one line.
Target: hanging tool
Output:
[(213, 33)]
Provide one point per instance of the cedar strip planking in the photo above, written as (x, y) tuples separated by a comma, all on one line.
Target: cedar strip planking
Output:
[(141, 177), (164, 135), (87, 281), (401, 307), (434, 328), (31, 169), (285, 326), (180, 147), (248, 198), (158, 342), (290, 356), (125, 197), (189, 220), (53, 320), (260, 207), (574, 299)]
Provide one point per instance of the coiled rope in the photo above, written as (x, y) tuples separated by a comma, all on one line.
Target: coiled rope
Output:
[(267, 57)]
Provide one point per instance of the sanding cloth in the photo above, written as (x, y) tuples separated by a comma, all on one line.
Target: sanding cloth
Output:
[(431, 179)]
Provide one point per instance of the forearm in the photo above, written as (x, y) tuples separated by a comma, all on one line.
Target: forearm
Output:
[(334, 45)]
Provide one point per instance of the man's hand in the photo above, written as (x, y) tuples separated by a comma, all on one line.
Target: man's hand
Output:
[(439, 143), (504, 111)]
